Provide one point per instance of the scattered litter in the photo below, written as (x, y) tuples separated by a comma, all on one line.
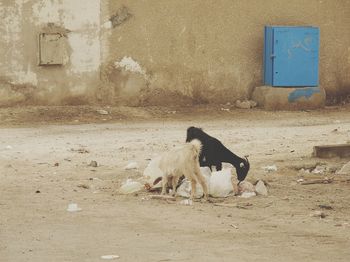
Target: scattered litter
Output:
[(162, 197), (319, 214), (319, 170), (260, 188), (93, 163), (220, 183), (234, 226), (73, 208), (102, 112), (131, 165), (130, 187), (272, 168), (327, 207), (80, 150), (247, 194), (345, 170), (152, 173), (109, 257), (318, 181), (186, 202), (185, 188), (83, 186)]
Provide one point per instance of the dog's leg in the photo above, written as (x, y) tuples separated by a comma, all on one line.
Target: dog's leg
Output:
[(174, 182), (193, 191), (164, 183), (203, 183)]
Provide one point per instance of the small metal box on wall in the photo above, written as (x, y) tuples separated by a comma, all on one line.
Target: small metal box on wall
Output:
[(291, 56)]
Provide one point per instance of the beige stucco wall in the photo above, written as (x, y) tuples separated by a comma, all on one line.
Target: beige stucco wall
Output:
[(212, 49), (22, 81), (158, 51)]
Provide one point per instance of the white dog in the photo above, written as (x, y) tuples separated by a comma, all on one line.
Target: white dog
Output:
[(183, 161)]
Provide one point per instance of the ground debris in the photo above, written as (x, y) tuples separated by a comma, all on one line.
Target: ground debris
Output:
[(318, 181)]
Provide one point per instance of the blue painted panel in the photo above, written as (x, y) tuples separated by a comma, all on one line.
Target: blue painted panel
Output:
[(306, 93), (296, 56), (268, 44), (291, 56)]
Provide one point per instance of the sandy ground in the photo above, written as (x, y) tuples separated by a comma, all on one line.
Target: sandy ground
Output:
[(44, 157)]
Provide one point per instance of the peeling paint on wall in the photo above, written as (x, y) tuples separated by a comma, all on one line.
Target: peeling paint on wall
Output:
[(129, 64)]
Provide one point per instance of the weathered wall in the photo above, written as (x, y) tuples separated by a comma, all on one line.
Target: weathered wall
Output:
[(22, 81), (159, 50)]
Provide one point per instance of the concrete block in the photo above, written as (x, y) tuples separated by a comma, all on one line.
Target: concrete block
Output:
[(329, 151), (289, 98)]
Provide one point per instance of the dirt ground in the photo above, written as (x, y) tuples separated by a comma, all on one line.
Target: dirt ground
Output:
[(44, 166)]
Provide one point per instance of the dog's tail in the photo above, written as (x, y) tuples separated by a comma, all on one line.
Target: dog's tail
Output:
[(197, 146)]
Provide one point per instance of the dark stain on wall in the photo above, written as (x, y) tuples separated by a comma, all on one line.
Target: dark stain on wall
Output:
[(120, 17)]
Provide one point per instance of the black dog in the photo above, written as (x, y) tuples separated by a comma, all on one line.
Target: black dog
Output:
[(214, 153)]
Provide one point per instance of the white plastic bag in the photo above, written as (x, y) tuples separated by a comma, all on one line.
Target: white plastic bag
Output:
[(185, 188), (220, 183), (130, 187), (152, 172)]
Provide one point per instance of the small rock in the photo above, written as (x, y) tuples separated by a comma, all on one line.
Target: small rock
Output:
[(37, 192), (83, 186), (300, 180), (56, 164), (131, 165), (320, 214), (328, 207), (8, 147), (272, 168), (102, 112), (93, 164), (260, 188), (248, 194)]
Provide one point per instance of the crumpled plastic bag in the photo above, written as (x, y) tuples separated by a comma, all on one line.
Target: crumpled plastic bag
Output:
[(152, 172), (130, 186), (185, 188), (220, 183)]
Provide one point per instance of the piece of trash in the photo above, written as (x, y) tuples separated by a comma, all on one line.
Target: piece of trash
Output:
[(186, 202), (260, 188), (247, 194), (225, 109), (245, 186), (220, 183), (300, 180), (130, 187), (162, 197), (345, 170), (80, 150), (93, 163), (73, 208), (8, 147), (319, 214), (272, 168), (319, 170), (153, 174), (109, 257), (326, 180), (102, 112), (327, 207), (83, 186), (131, 165), (185, 188), (234, 226)]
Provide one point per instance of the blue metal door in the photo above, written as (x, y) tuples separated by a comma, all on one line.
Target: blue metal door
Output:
[(295, 56)]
